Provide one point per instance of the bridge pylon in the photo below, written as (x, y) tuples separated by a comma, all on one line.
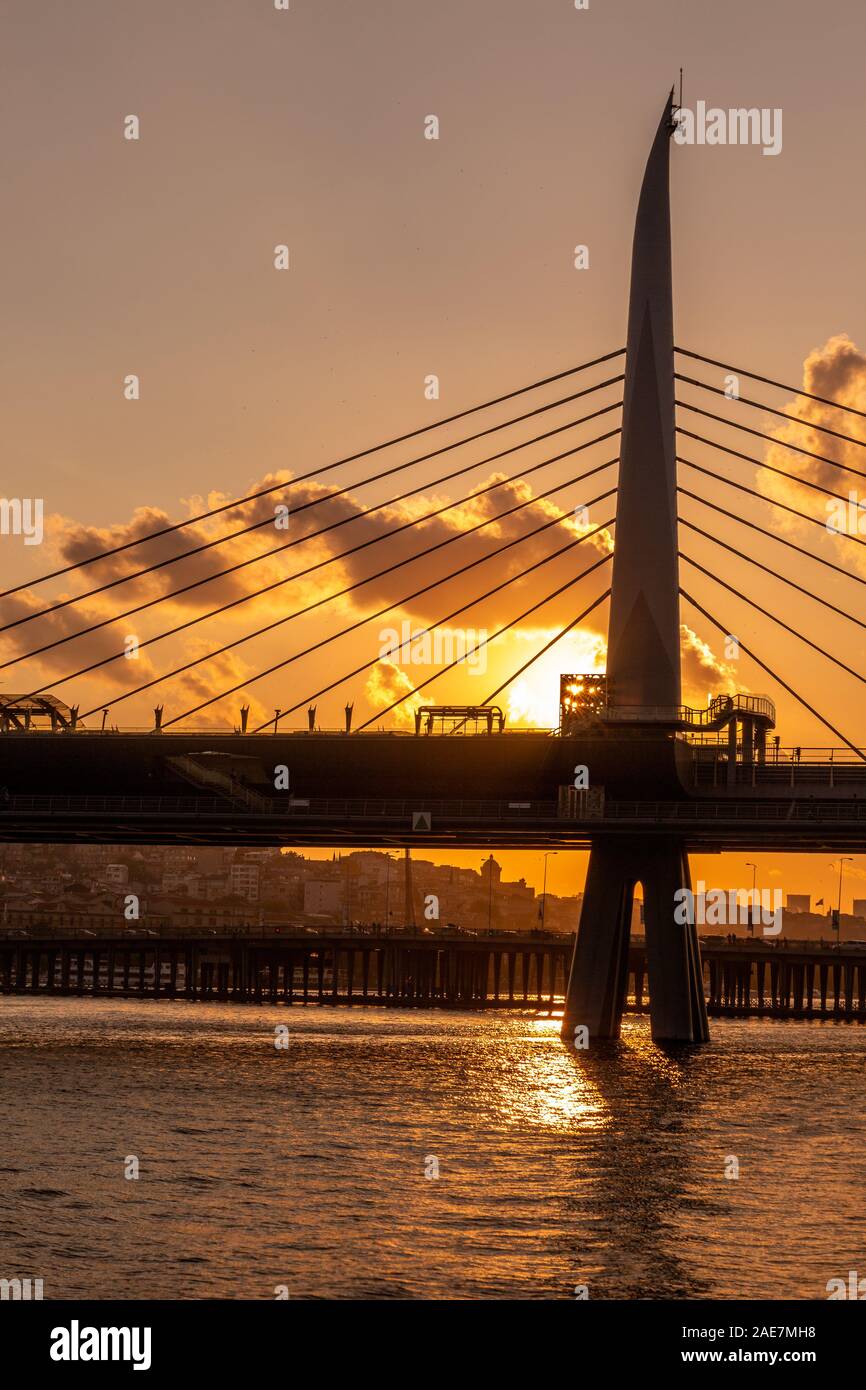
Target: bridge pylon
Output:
[(643, 666), (599, 973)]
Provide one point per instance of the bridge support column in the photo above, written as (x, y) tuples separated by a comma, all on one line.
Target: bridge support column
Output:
[(599, 971)]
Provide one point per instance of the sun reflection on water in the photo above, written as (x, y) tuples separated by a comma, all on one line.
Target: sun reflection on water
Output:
[(543, 1087)]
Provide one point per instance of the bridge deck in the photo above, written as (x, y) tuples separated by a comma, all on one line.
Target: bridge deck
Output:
[(479, 791), (805, 823)]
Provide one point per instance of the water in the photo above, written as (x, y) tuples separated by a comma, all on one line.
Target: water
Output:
[(306, 1168)]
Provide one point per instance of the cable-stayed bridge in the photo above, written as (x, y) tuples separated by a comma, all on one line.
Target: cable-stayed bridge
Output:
[(630, 771)]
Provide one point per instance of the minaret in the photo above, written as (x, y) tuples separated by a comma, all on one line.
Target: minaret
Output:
[(643, 661)]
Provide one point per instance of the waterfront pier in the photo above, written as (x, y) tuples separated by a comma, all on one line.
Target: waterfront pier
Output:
[(740, 979)]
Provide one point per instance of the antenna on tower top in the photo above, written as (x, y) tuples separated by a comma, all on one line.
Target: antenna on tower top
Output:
[(675, 107)]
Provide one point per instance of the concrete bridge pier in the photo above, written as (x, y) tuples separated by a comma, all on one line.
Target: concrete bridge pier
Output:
[(599, 972)]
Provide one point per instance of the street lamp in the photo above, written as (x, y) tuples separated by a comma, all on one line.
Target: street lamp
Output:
[(837, 925), (388, 890), (544, 886), (347, 864), (754, 869)]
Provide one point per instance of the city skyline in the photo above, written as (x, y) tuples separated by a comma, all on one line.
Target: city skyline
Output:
[(229, 887)]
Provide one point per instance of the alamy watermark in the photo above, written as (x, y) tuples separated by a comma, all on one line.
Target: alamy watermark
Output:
[(77, 1343), (20, 1290), (718, 907), (736, 126), (22, 516), (438, 646), (846, 518), (854, 1288)]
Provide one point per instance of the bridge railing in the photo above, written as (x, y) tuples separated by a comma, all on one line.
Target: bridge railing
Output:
[(339, 808), (211, 731), (723, 707), (710, 745), (708, 811), (713, 772), (346, 810), (51, 805)]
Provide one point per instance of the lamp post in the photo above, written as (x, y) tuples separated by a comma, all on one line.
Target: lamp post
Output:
[(348, 893), (544, 886), (754, 869), (388, 891), (837, 925)]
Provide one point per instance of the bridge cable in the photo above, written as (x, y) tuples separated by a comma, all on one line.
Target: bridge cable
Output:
[(511, 623), (769, 381), (299, 574), (770, 535), (770, 501), (365, 666), (771, 468), (269, 627), (322, 564), (759, 405), (760, 434), (764, 667), (708, 535), (304, 506), (350, 458), (767, 614)]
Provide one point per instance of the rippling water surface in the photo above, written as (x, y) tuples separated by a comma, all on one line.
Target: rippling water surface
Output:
[(306, 1167)]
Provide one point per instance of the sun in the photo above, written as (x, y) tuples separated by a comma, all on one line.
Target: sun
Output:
[(534, 699)]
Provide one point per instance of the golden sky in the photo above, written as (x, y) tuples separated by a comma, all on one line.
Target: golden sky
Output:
[(409, 257)]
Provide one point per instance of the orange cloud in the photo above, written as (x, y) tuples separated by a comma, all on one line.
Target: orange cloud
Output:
[(836, 371)]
